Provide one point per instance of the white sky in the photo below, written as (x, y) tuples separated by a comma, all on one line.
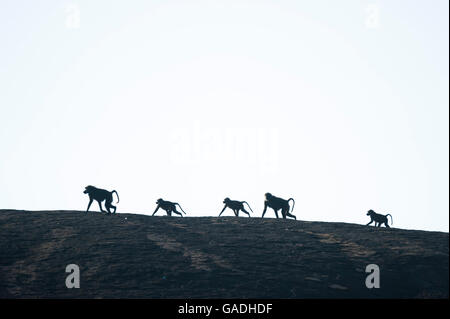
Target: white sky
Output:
[(342, 105)]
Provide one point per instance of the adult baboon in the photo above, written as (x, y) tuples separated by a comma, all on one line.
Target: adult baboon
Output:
[(379, 219), (236, 206), (100, 195), (276, 204), (169, 207)]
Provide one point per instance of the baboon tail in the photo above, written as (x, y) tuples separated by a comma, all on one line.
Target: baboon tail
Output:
[(116, 194), (293, 203), (248, 206), (180, 208), (392, 222)]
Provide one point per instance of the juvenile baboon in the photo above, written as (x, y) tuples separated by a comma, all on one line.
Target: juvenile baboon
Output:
[(276, 204), (100, 195), (169, 207), (236, 206), (379, 219)]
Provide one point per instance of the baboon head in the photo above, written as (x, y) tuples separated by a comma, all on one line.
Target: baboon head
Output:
[(159, 201), (370, 213), (226, 200), (268, 196), (88, 189)]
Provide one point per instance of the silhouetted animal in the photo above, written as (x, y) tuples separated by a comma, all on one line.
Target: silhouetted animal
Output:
[(169, 207), (100, 195), (276, 204), (379, 219), (236, 206)]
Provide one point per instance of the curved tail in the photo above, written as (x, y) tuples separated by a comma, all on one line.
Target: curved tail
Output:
[(293, 203), (116, 194), (392, 221), (248, 206), (180, 208)]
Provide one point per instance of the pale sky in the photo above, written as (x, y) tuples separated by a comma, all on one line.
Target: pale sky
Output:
[(342, 105)]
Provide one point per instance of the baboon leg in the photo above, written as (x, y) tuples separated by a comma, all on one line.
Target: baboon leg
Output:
[(370, 223), (100, 205), (89, 205), (236, 212), (169, 212), (290, 215), (243, 210), (109, 206), (177, 212), (265, 208), (386, 224), (276, 212), (223, 210)]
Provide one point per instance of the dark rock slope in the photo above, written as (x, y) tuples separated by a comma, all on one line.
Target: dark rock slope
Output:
[(137, 256)]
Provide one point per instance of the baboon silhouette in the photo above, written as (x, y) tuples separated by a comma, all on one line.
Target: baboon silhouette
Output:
[(236, 206), (101, 195), (379, 219), (276, 204), (169, 207)]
